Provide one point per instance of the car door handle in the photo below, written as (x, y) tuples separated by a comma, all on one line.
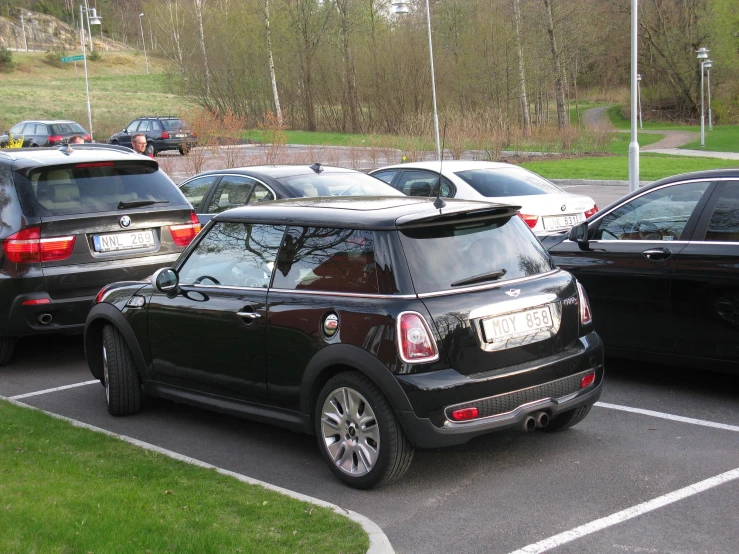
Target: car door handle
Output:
[(248, 315), (657, 253)]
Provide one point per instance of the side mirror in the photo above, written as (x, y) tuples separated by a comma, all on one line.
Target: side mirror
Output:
[(167, 281), (579, 233)]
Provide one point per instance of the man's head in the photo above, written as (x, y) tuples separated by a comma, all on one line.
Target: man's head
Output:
[(138, 143), (76, 139)]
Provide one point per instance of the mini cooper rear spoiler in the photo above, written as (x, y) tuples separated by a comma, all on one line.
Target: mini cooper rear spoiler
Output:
[(462, 214)]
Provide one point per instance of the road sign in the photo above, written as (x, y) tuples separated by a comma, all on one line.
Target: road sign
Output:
[(77, 58)]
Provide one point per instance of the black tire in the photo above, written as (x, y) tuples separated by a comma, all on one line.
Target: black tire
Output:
[(122, 384), (7, 348), (149, 150), (394, 452), (567, 419)]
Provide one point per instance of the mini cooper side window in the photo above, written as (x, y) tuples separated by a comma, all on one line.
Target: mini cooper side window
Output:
[(658, 215), (234, 255), (329, 260), (724, 224)]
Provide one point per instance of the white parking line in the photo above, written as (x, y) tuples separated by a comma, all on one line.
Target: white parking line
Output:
[(379, 543), (47, 391), (671, 417), (628, 513)]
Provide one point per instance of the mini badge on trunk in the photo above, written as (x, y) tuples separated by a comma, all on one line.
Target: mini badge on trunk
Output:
[(125, 222)]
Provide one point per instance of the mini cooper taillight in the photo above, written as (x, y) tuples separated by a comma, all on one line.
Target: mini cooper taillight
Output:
[(183, 234), (415, 342), (27, 246), (586, 316)]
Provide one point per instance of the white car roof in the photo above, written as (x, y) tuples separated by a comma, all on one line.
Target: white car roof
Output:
[(451, 165)]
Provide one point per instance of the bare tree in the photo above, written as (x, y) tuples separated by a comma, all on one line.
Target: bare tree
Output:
[(558, 87), (199, 16), (521, 74), (272, 76), (350, 80)]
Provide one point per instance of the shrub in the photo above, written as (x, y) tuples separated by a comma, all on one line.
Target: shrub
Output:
[(6, 60), (54, 57), (94, 56)]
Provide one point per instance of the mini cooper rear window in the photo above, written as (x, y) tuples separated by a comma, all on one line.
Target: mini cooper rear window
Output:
[(329, 260), (447, 257), (95, 187)]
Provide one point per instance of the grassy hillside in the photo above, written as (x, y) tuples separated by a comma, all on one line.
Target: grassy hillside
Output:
[(120, 90)]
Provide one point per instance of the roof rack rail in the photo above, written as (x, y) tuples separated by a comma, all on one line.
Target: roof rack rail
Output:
[(100, 146), (159, 117)]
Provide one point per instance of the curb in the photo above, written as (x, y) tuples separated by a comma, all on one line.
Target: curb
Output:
[(379, 543), (594, 183)]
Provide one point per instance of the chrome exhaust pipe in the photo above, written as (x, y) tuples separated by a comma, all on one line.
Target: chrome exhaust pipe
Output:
[(529, 424), (542, 419), (44, 319)]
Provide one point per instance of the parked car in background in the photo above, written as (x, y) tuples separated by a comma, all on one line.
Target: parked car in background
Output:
[(661, 267), (73, 220), (377, 324), (545, 207), (44, 133), (161, 132), (213, 192)]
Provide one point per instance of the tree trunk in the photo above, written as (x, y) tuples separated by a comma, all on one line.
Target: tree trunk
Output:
[(350, 86), (199, 14), (521, 74), (558, 88), (273, 78)]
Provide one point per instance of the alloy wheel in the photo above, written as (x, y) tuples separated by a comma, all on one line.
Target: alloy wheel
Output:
[(350, 431), (105, 375)]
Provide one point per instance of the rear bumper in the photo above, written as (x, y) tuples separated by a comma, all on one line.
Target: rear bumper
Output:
[(504, 401), (174, 143), (67, 315)]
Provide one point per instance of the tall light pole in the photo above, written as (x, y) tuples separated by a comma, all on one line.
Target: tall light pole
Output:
[(94, 20), (401, 7), (634, 144), (23, 25), (702, 53), (143, 41), (638, 81), (707, 65)]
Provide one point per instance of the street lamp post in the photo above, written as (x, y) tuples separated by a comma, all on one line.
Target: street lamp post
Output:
[(634, 144), (91, 20), (638, 81), (401, 7), (143, 41), (707, 65), (702, 53), (23, 25)]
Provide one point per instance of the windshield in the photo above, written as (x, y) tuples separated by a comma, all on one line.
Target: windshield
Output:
[(445, 257), (94, 187), (338, 184), (507, 181)]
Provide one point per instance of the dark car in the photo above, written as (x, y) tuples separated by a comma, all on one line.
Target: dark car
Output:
[(73, 220), (377, 324), (44, 133), (161, 132), (213, 192), (661, 267)]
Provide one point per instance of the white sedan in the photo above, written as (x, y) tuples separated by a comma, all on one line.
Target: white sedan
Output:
[(544, 206)]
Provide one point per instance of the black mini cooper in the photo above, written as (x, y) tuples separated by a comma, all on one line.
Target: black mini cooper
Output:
[(378, 324)]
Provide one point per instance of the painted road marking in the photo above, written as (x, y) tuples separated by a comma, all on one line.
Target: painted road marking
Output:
[(47, 391), (671, 417), (379, 543), (628, 513)]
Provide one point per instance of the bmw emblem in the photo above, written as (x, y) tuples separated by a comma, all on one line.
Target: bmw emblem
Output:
[(564, 207), (125, 222)]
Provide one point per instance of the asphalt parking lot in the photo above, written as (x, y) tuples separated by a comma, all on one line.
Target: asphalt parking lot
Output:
[(499, 493)]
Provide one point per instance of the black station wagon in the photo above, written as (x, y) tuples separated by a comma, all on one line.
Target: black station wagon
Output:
[(377, 324)]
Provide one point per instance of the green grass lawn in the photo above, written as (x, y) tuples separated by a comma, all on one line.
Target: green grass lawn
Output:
[(69, 490), (651, 167), (621, 141), (724, 138), (120, 90)]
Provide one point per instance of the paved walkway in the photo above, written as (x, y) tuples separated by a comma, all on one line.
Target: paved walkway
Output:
[(597, 118)]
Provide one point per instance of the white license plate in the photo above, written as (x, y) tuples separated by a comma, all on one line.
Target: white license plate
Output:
[(132, 240), (561, 221), (180, 135), (517, 324)]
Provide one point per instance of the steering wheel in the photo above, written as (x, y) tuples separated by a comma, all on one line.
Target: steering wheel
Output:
[(202, 277)]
